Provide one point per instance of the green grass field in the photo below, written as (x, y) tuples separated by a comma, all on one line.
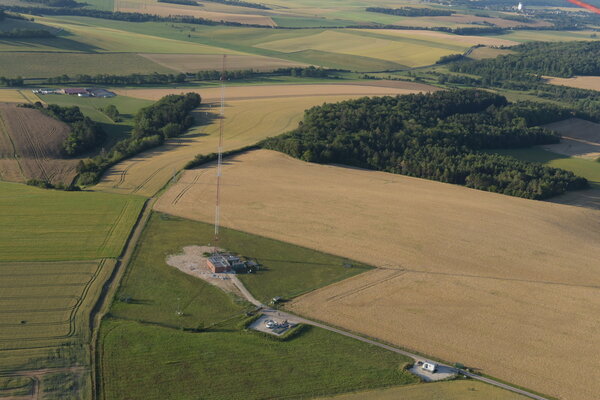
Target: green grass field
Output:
[(15, 386), (45, 65), (48, 303), (147, 351), (152, 362), (63, 225), (157, 289), (579, 166)]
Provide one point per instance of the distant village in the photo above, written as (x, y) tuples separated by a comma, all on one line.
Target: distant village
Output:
[(80, 92)]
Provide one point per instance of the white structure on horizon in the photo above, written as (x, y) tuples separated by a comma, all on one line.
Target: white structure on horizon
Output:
[(520, 6)]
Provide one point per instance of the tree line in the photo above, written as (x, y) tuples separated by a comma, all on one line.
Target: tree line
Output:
[(158, 78), (240, 3), (122, 16), (439, 136), (85, 134), (411, 11), (182, 2), (57, 3), (22, 33), (168, 117), (11, 82)]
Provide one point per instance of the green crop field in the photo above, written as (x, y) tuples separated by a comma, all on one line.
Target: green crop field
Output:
[(586, 168), (50, 64), (158, 289), (148, 352), (141, 361), (15, 386), (63, 225), (48, 303)]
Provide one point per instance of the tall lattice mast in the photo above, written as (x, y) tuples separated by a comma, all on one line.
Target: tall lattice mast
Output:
[(220, 154)]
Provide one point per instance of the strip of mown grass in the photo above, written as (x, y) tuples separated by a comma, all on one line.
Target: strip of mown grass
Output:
[(49, 225)]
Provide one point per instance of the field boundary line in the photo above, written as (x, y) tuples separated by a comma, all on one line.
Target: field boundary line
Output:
[(108, 291)]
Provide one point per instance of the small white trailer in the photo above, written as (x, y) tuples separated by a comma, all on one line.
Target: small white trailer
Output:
[(430, 367)]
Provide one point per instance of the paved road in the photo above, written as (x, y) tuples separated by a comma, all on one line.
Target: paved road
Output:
[(415, 357)]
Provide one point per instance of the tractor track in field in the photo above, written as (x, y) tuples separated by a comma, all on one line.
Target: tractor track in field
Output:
[(186, 189), (36, 376), (366, 286)]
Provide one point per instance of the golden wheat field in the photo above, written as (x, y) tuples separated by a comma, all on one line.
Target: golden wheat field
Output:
[(266, 111), (580, 82), (213, 94), (495, 282)]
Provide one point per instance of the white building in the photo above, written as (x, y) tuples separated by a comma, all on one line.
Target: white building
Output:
[(431, 367)]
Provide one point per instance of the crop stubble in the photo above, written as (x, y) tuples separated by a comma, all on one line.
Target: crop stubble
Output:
[(252, 113), (495, 282), (32, 146)]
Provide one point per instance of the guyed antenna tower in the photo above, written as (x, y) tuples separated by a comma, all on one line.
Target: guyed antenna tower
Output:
[(220, 155)]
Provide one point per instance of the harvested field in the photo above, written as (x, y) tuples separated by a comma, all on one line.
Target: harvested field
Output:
[(443, 37), (247, 122), (193, 62), (457, 390), (580, 138), (580, 82), (405, 53), (168, 9), (502, 282), (234, 93), (11, 96), (34, 141)]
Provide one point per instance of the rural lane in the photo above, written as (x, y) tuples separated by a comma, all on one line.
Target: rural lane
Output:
[(415, 357)]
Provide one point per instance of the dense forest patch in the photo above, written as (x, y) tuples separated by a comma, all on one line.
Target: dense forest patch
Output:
[(435, 136), (534, 59), (168, 117)]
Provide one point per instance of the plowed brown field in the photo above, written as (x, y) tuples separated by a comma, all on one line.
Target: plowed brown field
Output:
[(31, 145), (495, 282), (581, 82)]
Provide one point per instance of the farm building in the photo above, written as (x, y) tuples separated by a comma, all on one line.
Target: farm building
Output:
[(226, 262), (218, 263), (76, 91)]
